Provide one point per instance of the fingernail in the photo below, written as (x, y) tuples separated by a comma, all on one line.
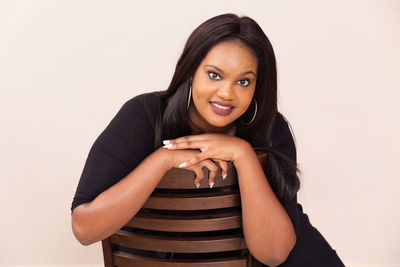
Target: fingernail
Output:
[(168, 146), (182, 165), (166, 142), (224, 176), (198, 185), (211, 185)]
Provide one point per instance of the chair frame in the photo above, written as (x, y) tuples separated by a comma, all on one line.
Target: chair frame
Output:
[(176, 206)]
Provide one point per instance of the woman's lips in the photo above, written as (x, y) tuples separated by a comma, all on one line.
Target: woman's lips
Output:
[(221, 109)]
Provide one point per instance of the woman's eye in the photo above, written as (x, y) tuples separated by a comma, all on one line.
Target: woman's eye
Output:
[(213, 75), (244, 82)]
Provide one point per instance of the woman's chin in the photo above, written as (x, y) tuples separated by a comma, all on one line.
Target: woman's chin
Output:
[(220, 125)]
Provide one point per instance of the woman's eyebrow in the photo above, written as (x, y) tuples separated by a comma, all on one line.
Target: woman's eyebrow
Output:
[(244, 73)]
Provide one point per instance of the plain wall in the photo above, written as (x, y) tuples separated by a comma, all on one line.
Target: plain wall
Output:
[(66, 67)]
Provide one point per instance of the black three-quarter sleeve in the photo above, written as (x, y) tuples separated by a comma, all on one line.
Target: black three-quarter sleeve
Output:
[(125, 142), (282, 139)]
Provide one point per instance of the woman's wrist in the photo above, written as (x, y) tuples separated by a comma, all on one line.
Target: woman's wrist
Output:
[(243, 151), (166, 161)]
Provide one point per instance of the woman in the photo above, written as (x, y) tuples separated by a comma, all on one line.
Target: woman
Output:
[(224, 91)]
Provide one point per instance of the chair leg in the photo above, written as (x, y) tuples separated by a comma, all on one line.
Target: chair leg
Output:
[(108, 252), (253, 262)]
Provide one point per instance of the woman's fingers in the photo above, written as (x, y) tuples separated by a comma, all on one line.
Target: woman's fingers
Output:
[(213, 171), (198, 170), (203, 156), (185, 139), (196, 161), (224, 168), (187, 144)]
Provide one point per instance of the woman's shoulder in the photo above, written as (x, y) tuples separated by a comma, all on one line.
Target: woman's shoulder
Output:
[(144, 100), (282, 136), (142, 106), (280, 123)]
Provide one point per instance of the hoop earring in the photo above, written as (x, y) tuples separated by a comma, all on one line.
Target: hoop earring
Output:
[(190, 96), (254, 116)]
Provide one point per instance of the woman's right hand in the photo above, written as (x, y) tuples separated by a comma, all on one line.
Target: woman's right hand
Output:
[(178, 156)]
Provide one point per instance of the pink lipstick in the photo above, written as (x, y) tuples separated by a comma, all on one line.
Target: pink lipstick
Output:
[(221, 108)]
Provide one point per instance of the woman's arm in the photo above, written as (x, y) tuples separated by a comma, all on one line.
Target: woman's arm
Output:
[(113, 208), (268, 230)]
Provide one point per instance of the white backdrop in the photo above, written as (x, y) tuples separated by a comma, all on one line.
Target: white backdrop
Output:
[(66, 67)]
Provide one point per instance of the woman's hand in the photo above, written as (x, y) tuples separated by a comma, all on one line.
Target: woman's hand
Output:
[(178, 156), (217, 147)]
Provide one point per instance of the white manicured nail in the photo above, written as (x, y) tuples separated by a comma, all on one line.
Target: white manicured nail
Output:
[(224, 176), (211, 185), (182, 165), (198, 185), (165, 142), (168, 146)]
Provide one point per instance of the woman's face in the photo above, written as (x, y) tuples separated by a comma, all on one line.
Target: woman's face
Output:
[(223, 86)]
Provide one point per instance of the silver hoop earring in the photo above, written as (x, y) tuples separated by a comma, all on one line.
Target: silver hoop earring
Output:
[(190, 96), (254, 116)]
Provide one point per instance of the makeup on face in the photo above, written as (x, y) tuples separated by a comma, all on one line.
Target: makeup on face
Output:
[(223, 86)]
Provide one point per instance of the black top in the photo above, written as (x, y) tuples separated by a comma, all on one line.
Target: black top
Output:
[(129, 138)]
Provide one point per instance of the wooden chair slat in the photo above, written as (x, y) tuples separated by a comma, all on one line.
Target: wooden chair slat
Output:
[(227, 190), (124, 259), (186, 223), (177, 178), (192, 201), (189, 244)]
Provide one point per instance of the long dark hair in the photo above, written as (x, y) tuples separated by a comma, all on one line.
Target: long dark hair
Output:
[(173, 120)]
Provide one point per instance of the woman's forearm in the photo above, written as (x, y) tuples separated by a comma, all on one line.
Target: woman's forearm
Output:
[(113, 208), (268, 230)]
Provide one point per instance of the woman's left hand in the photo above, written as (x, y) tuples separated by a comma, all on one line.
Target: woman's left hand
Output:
[(213, 146)]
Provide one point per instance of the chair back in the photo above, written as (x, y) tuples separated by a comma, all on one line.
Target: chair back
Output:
[(180, 225)]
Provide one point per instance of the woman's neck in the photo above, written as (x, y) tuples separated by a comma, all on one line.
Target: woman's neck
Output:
[(198, 125), (230, 130)]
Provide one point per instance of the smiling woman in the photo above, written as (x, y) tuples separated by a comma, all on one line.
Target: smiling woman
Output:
[(219, 107)]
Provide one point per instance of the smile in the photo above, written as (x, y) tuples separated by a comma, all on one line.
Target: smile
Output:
[(221, 110)]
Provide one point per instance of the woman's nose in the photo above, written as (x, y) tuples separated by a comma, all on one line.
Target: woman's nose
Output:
[(226, 91)]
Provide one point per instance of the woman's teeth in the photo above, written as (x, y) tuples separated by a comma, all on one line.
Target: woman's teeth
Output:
[(219, 106)]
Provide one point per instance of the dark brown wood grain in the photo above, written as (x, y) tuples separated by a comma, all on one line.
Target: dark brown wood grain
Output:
[(108, 252), (123, 259), (193, 201), (180, 244), (186, 223)]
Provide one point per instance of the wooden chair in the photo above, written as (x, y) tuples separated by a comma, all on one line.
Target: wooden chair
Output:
[(181, 225)]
